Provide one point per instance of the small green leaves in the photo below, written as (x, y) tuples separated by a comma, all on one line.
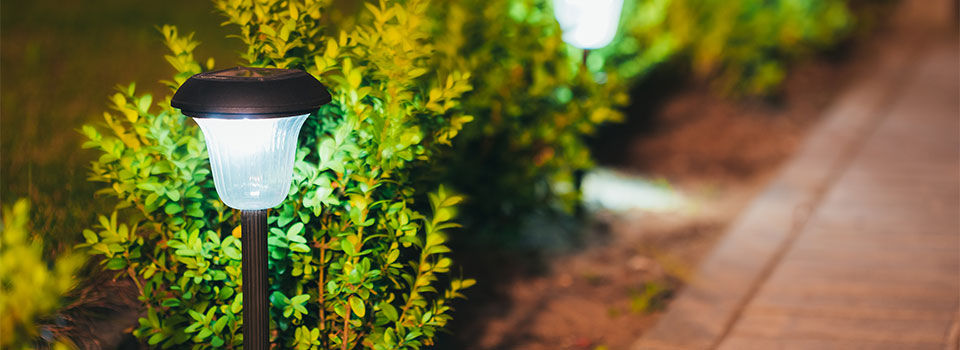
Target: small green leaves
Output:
[(346, 240), (296, 242), (297, 303), (33, 282)]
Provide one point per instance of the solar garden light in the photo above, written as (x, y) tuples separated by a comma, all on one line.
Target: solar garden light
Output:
[(250, 118), (588, 24)]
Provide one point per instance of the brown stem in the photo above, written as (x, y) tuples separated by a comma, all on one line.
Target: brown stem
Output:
[(133, 276), (346, 320), (413, 292), (157, 263), (346, 328), (323, 316)]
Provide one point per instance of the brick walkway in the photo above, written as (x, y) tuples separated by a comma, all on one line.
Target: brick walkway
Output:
[(856, 244)]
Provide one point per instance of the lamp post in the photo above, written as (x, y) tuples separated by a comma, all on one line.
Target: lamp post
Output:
[(250, 118)]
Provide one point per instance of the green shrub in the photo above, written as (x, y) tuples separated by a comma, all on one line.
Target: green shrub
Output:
[(30, 285), (355, 260), (747, 44), (742, 46), (533, 105), (534, 102)]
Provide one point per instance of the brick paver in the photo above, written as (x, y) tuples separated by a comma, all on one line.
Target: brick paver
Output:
[(856, 244), (878, 261)]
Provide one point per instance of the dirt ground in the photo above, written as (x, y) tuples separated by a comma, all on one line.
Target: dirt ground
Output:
[(715, 152)]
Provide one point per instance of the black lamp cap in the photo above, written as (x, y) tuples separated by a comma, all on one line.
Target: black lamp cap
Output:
[(250, 93)]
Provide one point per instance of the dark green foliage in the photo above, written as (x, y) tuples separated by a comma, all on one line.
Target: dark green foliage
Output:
[(742, 46), (535, 98), (353, 264), (533, 104)]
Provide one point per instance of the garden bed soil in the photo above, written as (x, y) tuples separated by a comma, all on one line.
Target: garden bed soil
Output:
[(716, 152)]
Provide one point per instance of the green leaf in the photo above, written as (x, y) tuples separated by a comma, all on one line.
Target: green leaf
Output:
[(237, 304), (152, 318), (195, 211), (277, 298), (221, 322), (426, 317), (332, 287), (216, 341), (232, 253), (156, 338), (357, 306), (90, 236), (390, 336), (102, 248), (195, 315), (294, 233), (392, 256), (172, 208), (300, 299), (299, 248), (284, 218), (150, 186), (347, 247), (144, 103), (204, 333), (174, 195), (226, 293), (299, 309), (389, 311), (116, 264)]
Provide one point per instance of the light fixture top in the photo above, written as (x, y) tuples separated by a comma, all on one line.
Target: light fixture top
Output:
[(248, 93)]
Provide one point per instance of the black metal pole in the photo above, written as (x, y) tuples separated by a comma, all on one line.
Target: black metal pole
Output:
[(256, 313)]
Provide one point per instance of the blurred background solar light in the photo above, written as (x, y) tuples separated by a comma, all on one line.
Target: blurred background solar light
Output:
[(588, 24)]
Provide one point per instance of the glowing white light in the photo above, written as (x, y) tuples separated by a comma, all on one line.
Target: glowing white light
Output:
[(605, 189), (252, 159), (588, 24)]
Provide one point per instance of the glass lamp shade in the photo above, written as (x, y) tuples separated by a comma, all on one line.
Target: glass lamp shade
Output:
[(588, 24), (252, 159)]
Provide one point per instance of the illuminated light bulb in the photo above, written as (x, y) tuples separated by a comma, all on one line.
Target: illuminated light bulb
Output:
[(252, 159), (588, 24)]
